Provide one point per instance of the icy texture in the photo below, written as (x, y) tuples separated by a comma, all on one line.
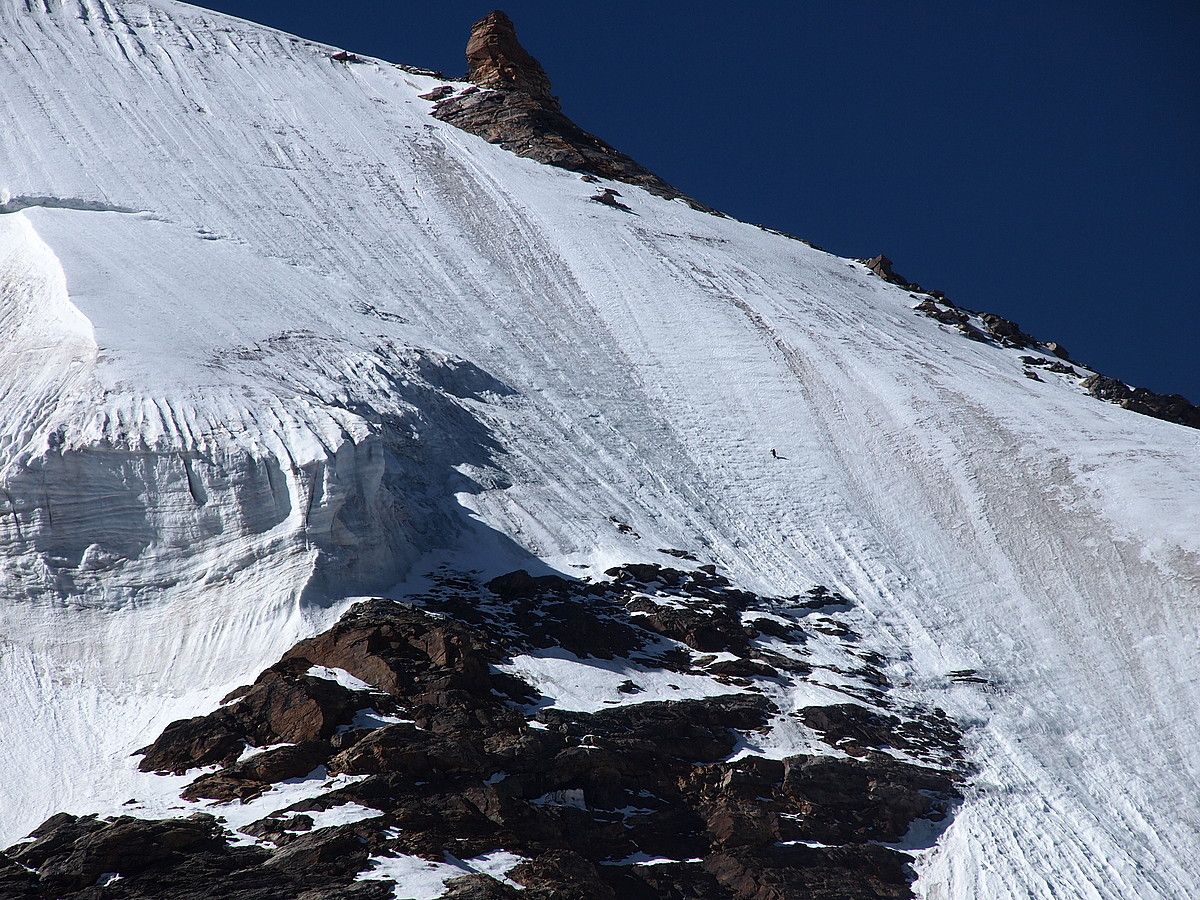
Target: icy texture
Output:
[(219, 250)]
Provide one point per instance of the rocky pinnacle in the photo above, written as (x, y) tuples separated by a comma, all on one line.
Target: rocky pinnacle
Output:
[(496, 59), (510, 104)]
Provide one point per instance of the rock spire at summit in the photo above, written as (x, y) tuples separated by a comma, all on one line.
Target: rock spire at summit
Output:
[(516, 110), (496, 59)]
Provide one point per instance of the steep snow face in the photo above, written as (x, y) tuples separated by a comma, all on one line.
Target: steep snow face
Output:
[(270, 334)]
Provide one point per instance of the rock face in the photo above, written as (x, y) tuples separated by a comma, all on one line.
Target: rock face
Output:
[(512, 106), (436, 727), (1006, 332), (496, 59), (135, 859)]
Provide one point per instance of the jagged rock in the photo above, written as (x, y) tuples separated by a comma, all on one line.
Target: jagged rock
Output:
[(71, 853), (941, 298), (882, 266), (1050, 365), (700, 626), (1005, 331), (851, 800), (441, 92), (821, 873), (945, 315), (336, 854), (496, 59), (520, 585), (544, 612), (1057, 349), (248, 779), (570, 792), (480, 887), (16, 881), (400, 650), (517, 111), (609, 198), (191, 858), (857, 730), (283, 706), (1169, 407)]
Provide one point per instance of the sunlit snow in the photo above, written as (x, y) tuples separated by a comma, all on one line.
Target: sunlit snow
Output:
[(271, 337)]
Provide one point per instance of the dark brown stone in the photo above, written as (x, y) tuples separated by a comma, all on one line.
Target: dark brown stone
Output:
[(517, 111), (248, 779), (283, 706), (1050, 365), (1168, 407), (441, 92), (496, 59), (945, 315), (573, 793), (1058, 349), (882, 266), (1005, 331)]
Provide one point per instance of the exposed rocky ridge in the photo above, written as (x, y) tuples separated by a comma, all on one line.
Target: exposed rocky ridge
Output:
[(454, 754), (1170, 407), (996, 329), (511, 105)]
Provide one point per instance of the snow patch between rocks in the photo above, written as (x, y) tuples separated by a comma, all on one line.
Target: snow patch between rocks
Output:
[(423, 879), (576, 684)]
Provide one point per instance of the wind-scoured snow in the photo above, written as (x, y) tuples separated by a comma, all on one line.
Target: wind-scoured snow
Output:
[(270, 335)]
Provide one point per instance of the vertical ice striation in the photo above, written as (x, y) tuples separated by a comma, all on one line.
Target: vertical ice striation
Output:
[(271, 333)]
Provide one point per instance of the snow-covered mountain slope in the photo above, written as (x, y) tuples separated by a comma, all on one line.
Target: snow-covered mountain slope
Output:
[(271, 336)]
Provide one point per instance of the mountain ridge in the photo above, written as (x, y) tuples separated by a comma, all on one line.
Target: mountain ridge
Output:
[(344, 341)]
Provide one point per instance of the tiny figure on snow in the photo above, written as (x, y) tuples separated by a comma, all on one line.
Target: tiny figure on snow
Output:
[(775, 455)]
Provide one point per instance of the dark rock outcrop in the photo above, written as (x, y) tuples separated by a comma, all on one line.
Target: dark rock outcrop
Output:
[(512, 106), (1169, 407), (1005, 331), (284, 706), (1057, 349), (609, 198), (84, 858), (1050, 365), (470, 759), (441, 92), (882, 266)]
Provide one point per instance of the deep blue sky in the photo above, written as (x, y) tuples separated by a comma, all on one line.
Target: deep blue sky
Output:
[(1038, 160)]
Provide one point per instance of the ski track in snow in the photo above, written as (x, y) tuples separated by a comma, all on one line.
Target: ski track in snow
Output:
[(215, 245)]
